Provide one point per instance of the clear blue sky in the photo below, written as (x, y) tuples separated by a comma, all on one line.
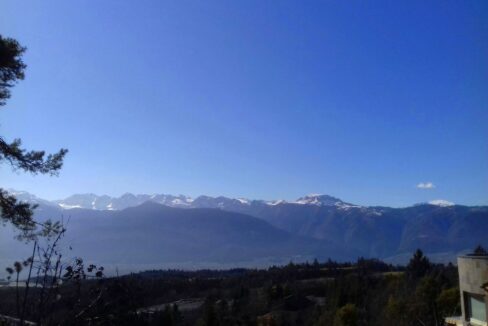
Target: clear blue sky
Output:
[(362, 100)]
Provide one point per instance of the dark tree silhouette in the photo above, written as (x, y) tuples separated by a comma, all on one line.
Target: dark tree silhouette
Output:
[(11, 66), (36, 162), (419, 265), (480, 251)]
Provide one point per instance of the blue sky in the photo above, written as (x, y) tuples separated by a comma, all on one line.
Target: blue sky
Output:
[(363, 100)]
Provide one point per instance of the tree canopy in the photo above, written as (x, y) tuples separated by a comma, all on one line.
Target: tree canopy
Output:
[(12, 70)]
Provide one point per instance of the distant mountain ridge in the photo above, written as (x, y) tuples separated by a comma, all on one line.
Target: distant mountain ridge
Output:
[(104, 202), (438, 228), (152, 235)]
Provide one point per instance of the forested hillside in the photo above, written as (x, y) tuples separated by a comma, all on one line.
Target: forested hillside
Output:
[(365, 292)]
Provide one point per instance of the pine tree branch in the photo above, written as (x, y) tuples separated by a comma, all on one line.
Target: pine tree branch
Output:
[(31, 161)]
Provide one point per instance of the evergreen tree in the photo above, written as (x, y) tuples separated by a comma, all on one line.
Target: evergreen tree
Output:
[(480, 251), (35, 162), (316, 263), (419, 265)]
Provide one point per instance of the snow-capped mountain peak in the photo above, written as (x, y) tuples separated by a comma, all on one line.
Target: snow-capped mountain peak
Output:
[(319, 200), (441, 202), (276, 202)]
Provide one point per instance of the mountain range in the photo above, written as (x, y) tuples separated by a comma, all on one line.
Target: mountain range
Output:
[(104, 202), (145, 231)]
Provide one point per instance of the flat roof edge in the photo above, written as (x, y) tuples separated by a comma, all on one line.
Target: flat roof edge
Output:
[(474, 257)]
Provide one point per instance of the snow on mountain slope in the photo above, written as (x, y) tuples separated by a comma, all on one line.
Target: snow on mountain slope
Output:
[(104, 202), (441, 202), (321, 200), (91, 201)]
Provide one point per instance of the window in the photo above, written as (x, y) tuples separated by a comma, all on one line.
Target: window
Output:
[(476, 309)]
